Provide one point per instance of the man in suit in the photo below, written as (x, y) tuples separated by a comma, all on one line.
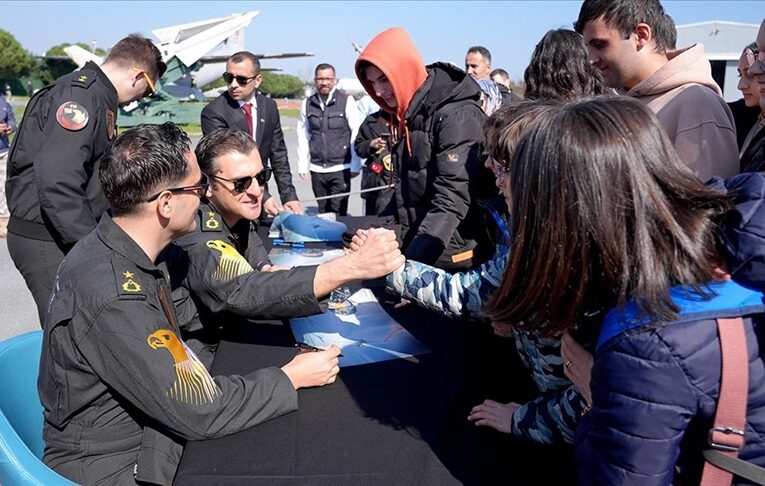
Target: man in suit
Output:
[(243, 108)]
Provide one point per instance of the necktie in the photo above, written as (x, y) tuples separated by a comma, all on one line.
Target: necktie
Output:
[(247, 107)]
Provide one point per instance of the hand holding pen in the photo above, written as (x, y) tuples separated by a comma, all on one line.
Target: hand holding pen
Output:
[(313, 367), (307, 347)]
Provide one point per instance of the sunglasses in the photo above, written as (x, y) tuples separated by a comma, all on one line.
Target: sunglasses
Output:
[(150, 87), (241, 80), (199, 189), (243, 183)]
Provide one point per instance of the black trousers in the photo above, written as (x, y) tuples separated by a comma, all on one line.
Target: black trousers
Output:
[(325, 184), (38, 262)]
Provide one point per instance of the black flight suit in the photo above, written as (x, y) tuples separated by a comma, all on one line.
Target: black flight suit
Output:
[(121, 390), (216, 278), (53, 192)]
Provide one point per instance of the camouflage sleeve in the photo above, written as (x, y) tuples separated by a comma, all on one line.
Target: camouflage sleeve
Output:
[(456, 295), (551, 418)]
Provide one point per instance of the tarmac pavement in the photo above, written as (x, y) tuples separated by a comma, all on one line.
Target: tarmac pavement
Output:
[(16, 305)]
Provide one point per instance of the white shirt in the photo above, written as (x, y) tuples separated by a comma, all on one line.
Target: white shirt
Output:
[(254, 113), (304, 136)]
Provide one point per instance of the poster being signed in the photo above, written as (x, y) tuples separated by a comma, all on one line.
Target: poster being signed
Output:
[(367, 335)]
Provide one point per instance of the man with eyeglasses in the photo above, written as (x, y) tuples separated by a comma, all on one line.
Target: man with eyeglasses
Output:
[(244, 108), (53, 192), (121, 390), (631, 42), (327, 126), (225, 269)]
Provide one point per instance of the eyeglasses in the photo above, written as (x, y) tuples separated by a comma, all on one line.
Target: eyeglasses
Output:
[(752, 56), (199, 189), (501, 171), (151, 88), (241, 80), (243, 183)]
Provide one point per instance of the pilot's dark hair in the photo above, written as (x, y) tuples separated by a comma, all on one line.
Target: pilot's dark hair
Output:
[(324, 65), (482, 51), (142, 161), (242, 56), (137, 50), (219, 142), (625, 15)]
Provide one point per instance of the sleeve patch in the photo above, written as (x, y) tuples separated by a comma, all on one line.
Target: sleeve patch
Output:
[(72, 116)]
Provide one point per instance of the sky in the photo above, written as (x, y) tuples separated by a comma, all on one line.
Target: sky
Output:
[(442, 31)]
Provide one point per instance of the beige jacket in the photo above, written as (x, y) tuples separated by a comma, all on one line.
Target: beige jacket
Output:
[(687, 102)]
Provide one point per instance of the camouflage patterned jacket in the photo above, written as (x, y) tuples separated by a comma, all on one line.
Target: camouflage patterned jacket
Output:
[(552, 417)]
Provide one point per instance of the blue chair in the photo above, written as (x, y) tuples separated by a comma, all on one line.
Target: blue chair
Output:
[(21, 415)]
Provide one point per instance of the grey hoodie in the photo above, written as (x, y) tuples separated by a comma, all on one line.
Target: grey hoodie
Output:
[(687, 102)]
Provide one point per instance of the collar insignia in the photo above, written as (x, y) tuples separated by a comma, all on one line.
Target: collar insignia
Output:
[(130, 285)]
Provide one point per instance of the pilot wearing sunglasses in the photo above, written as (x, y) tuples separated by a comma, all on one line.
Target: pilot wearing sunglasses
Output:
[(226, 266)]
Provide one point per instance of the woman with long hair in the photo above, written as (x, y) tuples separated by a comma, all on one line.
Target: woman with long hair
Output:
[(616, 243)]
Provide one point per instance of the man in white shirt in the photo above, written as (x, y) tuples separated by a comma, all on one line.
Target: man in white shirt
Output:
[(328, 124)]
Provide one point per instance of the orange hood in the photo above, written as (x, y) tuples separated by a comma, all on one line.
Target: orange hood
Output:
[(393, 52)]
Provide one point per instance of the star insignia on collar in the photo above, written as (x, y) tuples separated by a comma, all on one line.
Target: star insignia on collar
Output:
[(128, 274), (211, 214)]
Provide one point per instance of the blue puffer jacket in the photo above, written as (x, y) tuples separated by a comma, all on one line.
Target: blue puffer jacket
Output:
[(655, 385)]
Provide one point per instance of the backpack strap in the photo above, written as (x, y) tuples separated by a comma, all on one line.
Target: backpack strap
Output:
[(726, 437)]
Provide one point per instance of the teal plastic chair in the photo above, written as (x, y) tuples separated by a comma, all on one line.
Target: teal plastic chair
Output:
[(21, 415)]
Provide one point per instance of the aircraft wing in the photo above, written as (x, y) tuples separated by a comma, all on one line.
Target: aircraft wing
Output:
[(80, 56), (190, 42)]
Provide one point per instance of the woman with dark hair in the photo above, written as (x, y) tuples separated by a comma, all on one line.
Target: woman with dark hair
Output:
[(752, 149), (559, 69), (625, 255)]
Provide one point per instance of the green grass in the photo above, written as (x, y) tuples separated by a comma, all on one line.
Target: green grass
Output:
[(289, 112), (18, 111)]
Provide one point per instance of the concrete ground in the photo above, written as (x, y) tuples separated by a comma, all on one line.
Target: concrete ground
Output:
[(16, 305)]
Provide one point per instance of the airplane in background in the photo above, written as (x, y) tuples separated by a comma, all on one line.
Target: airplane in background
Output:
[(187, 51)]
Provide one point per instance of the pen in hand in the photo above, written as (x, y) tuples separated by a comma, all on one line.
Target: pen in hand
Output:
[(307, 347)]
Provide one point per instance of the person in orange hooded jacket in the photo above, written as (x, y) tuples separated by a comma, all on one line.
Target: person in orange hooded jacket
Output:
[(437, 139)]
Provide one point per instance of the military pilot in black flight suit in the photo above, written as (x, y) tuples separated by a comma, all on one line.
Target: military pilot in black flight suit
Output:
[(53, 192), (223, 266)]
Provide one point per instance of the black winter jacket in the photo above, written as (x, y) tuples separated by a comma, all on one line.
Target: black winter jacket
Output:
[(433, 194)]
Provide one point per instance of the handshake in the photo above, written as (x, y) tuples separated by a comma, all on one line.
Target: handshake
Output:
[(377, 252)]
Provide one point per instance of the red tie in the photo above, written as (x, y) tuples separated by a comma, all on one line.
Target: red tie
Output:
[(247, 107)]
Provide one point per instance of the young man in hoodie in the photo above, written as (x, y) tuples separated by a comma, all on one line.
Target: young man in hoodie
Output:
[(437, 137), (631, 42)]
